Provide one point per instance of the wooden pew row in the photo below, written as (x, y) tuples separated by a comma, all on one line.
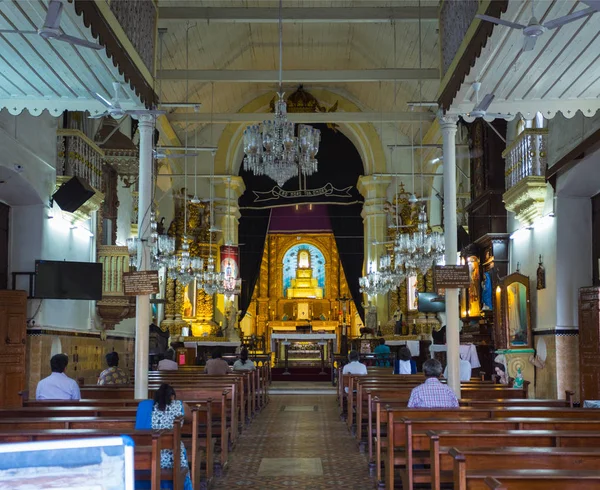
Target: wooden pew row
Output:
[(250, 384), (473, 466), (401, 422), (148, 445), (395, 399), (197, 435), (358, 400), (216, 391), (438, 445), (543, 480)]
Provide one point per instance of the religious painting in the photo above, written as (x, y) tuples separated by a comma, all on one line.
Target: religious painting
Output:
[(473, 306), (230, 267), (303, 272), (412, 293), (516, 301)]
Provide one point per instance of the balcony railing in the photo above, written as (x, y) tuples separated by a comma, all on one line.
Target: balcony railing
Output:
[(79, 156), (526, 156)]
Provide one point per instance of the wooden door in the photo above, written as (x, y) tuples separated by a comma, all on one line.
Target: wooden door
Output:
[(13, 326), (589, 343)]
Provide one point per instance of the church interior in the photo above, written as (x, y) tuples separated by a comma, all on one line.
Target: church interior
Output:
[(314, 192)]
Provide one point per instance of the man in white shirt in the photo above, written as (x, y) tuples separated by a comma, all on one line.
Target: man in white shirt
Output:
[(58, 386), (354, 366), (168, 363), (465, 370)]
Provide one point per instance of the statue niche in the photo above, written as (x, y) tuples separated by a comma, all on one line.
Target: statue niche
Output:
[(304, 285)]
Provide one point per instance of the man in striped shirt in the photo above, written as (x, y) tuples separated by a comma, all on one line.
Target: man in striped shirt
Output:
[(432, 393)]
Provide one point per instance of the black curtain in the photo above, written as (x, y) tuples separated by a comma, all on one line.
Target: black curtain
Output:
[(347, 226), (253, 227)]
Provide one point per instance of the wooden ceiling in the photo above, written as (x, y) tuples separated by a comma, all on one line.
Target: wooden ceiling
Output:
[(318, 45)]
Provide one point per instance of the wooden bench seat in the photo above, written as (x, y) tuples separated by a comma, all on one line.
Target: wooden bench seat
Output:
[(472, 466), (539, 480)]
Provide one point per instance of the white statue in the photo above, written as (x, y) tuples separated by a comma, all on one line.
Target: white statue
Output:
[(371, 316), (231, 315)]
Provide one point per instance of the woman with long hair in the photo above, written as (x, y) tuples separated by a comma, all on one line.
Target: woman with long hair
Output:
[(243, 363), (165, 409), (405, 363)]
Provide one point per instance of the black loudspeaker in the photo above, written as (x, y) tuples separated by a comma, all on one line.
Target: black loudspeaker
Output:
[(72, 194)]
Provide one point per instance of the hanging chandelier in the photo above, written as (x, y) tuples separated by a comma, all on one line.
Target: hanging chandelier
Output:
[(272, 148), (417, 252)]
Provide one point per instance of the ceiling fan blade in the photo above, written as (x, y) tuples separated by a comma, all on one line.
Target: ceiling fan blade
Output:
[(14, 31), (143, 112), (485, 103), (161, 156), (561, 21), (52, 20), (84, 43), (497, 115), (98, 116), (595, 4), (102, 100), (529, 43), (501, 22)]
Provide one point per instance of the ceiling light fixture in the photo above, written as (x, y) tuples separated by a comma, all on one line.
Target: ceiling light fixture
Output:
[(271, 148)]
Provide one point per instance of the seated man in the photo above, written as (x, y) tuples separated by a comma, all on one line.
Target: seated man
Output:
[(168, 363), (113, 375), (58, 386), (354, 366), (216, 366), (432, 393), (465, 369)]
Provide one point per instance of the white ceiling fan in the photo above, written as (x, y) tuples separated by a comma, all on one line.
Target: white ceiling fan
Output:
[(51, 28), (534, 29), (114, 109), (161, 154), (480, 109)]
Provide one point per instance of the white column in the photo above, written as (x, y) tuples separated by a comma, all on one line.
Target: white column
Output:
[(374, 190), (142, 309), (448, 126)]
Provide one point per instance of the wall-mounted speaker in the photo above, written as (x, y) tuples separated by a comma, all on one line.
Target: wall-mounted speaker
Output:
[(73, 194)]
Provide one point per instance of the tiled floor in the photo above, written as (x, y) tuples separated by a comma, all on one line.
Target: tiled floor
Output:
[(297, 442)]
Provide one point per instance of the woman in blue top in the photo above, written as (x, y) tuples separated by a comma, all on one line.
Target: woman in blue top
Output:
[(405, 363)]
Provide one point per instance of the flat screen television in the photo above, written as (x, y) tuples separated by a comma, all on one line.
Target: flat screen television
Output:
[(68, 280), (430, 303)]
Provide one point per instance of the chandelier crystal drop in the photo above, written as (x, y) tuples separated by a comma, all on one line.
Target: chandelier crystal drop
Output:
[(417, 252)]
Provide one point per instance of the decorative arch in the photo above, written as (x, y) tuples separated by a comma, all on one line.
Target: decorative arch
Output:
[(362, 135)]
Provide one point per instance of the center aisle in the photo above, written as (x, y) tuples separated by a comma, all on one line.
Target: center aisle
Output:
[(298, 441)]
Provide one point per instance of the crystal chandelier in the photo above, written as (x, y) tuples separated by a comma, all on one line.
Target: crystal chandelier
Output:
[(374, 283), (272, 149), (417, 252), (163, 247)]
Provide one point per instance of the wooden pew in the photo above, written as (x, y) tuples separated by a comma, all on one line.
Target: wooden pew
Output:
[(148, 445), (400, 421), (543, 480), (439, 443), (472, 466)]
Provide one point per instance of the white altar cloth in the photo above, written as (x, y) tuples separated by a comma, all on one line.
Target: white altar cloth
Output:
[(196, 343), (467, 352), (301, 337)]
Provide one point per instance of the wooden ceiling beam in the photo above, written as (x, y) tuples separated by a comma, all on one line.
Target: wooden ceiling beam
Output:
[(302, 76), (297, 14), (316, 117)]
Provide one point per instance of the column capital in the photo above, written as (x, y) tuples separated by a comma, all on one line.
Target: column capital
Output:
[(373, 186), (229, 186), (145, 120), (448, 122)]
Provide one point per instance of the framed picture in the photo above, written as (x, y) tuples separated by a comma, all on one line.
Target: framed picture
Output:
[(517, 312)]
